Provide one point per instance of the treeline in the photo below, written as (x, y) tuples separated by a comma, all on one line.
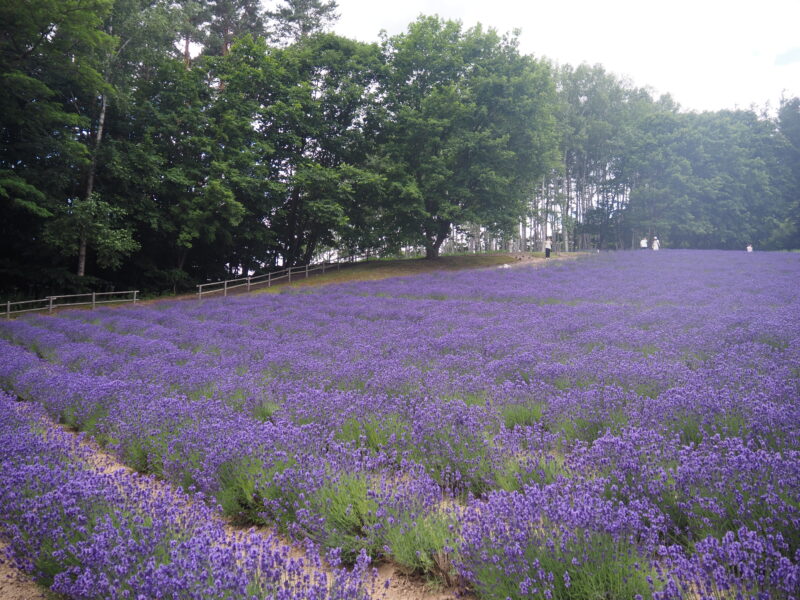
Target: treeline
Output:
[(157, 143)]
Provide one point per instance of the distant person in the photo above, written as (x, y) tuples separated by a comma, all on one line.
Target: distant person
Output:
[(749, 247), (548, 245), (656, 243), (643, 244)]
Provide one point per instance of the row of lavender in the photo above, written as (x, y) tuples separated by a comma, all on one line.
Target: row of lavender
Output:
[(89, 534), (632, 415)]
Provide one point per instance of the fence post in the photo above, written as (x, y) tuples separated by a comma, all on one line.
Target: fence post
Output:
[(8, 309), (290, 274), (306, 271), (225, 292), (134, 295), (94, 300), (50, 308), (323, 267), (269, 278), (248, 284)]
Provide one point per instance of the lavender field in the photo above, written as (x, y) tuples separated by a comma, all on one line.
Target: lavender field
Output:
[(620, 426)]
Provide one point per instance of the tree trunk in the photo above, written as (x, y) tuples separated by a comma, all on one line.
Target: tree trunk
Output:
[(433, 241), (82, 256), (90, 181)]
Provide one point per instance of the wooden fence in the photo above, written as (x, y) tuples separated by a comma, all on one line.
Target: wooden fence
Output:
[(267, 279), (50, 303)]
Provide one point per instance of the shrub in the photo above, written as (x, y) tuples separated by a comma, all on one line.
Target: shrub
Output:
[(424, 545)]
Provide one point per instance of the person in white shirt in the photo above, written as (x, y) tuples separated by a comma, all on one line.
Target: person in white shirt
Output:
[(643, 244), (548, 245), (656, 243), (749, 247)]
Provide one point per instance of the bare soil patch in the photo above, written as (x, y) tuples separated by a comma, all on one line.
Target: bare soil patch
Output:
[(16, 585)]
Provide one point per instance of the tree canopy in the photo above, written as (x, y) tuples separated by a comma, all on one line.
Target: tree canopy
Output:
[(158, 143)]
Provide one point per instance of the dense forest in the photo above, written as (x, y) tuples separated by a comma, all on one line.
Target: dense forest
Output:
[(160, 143)]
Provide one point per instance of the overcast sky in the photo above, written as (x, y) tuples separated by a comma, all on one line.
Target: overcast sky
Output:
[(709, 54)]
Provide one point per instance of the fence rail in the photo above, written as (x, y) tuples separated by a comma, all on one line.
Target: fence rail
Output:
[(52, 302), (267, 279)]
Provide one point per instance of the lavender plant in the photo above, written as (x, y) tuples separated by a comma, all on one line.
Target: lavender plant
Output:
[(642, 409), (87, 534)]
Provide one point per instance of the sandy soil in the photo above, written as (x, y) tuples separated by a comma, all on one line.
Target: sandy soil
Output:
[(402, 587), (16, 585)]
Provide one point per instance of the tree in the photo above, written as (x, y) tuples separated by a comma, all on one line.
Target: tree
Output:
[(660, 176), (469, 129), (192, 198), (709, 180), (142, 30), (48, 64), (94, 223), (229, 20), (298, 19), (787, 233), (321, 154)]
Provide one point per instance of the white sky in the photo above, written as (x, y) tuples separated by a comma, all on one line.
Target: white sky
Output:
[(708, 54)]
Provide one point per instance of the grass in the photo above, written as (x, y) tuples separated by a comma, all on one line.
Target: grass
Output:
[(588, 429), (384, 268), (265, 410)]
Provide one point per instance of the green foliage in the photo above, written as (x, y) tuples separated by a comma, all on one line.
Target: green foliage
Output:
[(96, 223), (350, 516), (247, 485), (88, 423), (598, 567), (712, 180), (376, 433), (146, 454), (49, 64), (461, 144), (159, 169), (265, 410), (297, 19), (423, 545), (589, 428), (517, 471), (521, 414)]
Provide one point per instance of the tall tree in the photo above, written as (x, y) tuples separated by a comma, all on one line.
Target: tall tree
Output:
[(142, 30), (469, 129), (231, 19), (293, 20), (192, 197), (709, 180), (48, 64), (787, 233), (321, 146)]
